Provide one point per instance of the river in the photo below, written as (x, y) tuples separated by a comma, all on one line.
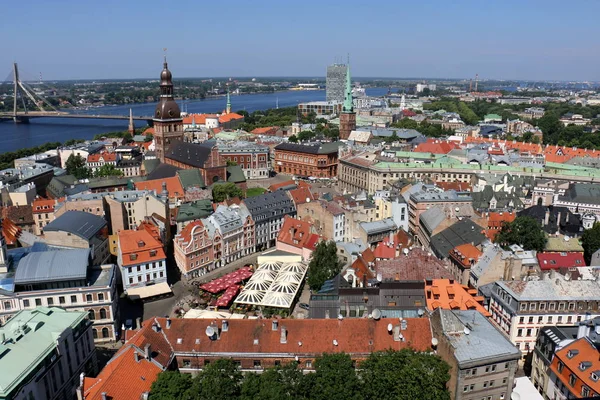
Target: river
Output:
[(42, 130)]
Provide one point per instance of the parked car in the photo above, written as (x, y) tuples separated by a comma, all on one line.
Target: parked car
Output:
[(304, 306)]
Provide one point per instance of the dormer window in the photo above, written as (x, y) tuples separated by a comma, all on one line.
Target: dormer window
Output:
[(141, 243), (133, 257), (572, 353), (584, 365), (152, 253), (594, 375)]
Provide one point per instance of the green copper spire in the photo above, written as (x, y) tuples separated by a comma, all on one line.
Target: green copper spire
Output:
[(348, 106), (228, 108)]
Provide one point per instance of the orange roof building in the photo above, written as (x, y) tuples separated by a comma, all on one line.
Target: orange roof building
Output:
[(435, 146), (302, 195), (99, 159), (172, 185), (495, 220), (577, 367), (297, 237), (450, 295), (141, 258), (461, 259)]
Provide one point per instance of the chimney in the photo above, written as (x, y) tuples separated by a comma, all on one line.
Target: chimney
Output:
[(396, 333), (225, 325), (558, 222), (155, 327), (103, 394), (168, 323), (136, 356), (283, 337), (274, 325), (583, 330), (147, 352)]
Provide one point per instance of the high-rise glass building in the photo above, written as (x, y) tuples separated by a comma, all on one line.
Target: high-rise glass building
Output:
[(335, 82)]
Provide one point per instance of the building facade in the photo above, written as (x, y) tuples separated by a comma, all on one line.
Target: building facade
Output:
[(305, 160), (252, 158), (45, 351), (141, 258), (168, 124), (335, 82), (268, 212), (476, 372), (193, 248)]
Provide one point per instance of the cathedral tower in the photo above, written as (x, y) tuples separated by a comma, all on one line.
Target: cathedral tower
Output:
[(348, 116), (168, 124)]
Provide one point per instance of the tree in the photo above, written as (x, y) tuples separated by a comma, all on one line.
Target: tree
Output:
[(335, 378), (590, 240), (293, 139), (224, 191), (171, 385), (404, 375), (285, 382), (323, 265), (231, 163), (220, 380), (107, 170), (305, 135), (76, 166), (524, 231)]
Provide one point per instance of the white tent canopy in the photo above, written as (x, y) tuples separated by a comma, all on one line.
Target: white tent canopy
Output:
[(274, 283)]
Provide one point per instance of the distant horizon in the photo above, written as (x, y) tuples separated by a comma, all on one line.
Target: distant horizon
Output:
[(536, 41)]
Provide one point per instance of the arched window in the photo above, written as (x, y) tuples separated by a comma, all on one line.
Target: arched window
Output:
[(92, 315), (104, 332), (215, 178), (95, 333), (102, 313)]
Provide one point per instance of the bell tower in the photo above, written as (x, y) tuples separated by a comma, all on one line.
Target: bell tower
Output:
[(168, 124), (348, 116)]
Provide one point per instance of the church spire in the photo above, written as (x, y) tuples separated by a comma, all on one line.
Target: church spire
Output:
[(131, 128), (228, 107), (348, 106)]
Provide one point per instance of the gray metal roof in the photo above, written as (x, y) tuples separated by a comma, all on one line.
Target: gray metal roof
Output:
[(268, 205), (432, 218), (378, 226), (465, 231), (49, 266), (482, 342), (552, 289), (226, 219), (82, 224)]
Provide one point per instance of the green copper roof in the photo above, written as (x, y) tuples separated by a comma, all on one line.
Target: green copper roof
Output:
[(29, 338), (228, 108), (348, 106)]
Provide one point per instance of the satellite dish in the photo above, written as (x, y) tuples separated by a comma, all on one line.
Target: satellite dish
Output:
[(466, 330), (434, 342), (405, 251), (335, 342), (379, 277), (308, 199), (210, 331), (340, 317), (515, 396), (390, 327), (376, 314), (420, 312)]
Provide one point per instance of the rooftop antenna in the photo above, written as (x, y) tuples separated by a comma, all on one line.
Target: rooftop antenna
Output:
[(476, 81)]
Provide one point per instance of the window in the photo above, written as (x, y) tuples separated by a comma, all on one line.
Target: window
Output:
[(532, 306), (73, 299), (560, 366), (100, 296), (25, 303), (494, 368), (104, 332), (485, 384), (50, 301), (572, 379), (466, 388), (585, 391), (7, 305), (308, 364), (88, 298), (491, 383), (519, 332), (92, 315), (559, 319), (522, 320), (487, 369), (540, 320), (531, 320), (550, 319), (61, 300), (277, 363), (523, 306), (186, 362), (256, 364), (102, 313), (38, 302)]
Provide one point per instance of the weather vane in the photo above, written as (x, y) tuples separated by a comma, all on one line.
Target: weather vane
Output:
[(165, 51)]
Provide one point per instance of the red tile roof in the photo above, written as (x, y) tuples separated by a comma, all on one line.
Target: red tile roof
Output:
[(466, 254), (223, 118), (104, 156), (123, 378), (268, 130), (10, 231), (417, 265), (302, 195), (444, 292), (549, 261), (435, 146), (139, 247), (173, 186), (41, 206), (385, 250), (495, 221), (297, 233), (353, 336), (458, 186), (149, 131)]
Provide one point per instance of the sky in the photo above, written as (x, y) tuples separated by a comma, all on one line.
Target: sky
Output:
[(119, 39)]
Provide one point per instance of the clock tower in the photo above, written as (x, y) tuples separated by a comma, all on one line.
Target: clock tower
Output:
[(168, 124)]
